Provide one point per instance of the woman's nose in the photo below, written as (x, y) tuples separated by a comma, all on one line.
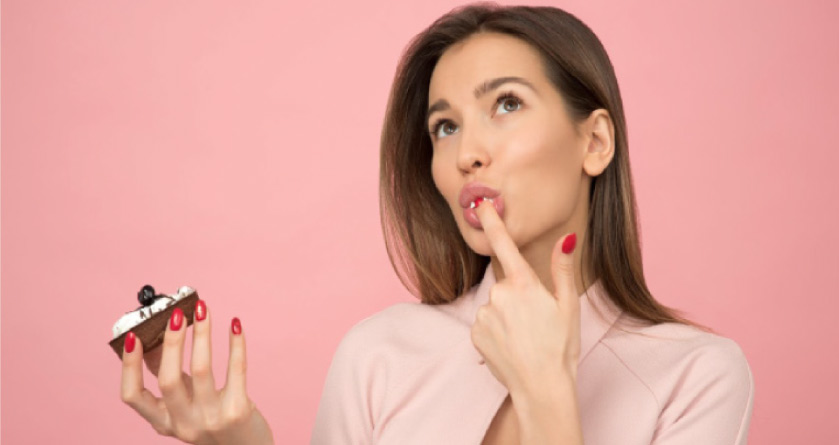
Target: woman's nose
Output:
[(473, 152)]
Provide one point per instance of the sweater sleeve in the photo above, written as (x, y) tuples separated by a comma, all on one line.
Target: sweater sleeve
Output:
[(713, 403), (347, 405)]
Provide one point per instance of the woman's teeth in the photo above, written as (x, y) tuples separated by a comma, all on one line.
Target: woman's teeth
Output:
[(477, 202)]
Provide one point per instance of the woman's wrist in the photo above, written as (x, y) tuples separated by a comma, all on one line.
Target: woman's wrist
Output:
[(257, 432), (558, 380), (548, 412)]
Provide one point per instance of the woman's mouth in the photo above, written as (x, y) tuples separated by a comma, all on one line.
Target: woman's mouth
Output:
[(470, 214)]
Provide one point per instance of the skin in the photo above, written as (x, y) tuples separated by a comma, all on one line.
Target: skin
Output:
[(542, 162), (190, 408)]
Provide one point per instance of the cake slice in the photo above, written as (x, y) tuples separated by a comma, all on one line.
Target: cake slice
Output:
[(148, 322)]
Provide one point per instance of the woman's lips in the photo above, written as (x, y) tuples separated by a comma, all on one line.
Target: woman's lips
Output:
[(474, 190), (471, 214)]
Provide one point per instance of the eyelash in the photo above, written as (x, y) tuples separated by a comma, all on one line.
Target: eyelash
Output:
[(501, 98)]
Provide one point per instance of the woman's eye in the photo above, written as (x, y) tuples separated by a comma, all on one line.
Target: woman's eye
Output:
[(447, 128), (508, 104), (505, 104)]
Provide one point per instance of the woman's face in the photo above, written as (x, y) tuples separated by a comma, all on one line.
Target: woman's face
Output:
[(515, 137)]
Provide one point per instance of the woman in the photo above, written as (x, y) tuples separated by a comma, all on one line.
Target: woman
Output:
[(536, 325)]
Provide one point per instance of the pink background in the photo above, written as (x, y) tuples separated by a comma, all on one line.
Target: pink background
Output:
[(233, 146)]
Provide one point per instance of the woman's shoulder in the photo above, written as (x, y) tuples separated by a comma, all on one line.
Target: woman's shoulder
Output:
[(375, 357), (671, 357), (405, 329), (671, 341), (700, 381)]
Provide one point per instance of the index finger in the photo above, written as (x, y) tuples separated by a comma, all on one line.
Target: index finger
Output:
[(503, 246), (133, 393)]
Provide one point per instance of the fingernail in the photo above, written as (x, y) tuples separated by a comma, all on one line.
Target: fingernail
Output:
[(200, 310), (236, 326), (177, 319), (569, 243), (130, 341)]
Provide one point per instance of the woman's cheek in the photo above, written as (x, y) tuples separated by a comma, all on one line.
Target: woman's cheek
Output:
[(441, 178), (520, 212)]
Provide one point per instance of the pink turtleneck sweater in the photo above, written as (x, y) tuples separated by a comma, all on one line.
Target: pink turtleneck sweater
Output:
[(410, 375)]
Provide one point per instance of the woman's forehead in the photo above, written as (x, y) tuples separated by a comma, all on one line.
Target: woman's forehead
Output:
[(481, 57)]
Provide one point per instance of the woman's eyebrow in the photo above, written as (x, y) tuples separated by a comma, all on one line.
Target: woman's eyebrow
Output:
[(480, 90)]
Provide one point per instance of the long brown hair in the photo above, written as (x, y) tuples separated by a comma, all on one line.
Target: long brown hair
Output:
[(423, 241)]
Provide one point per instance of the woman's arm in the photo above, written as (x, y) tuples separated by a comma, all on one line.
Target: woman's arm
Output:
[(344, 414), (530, 337), (549, 413), (713, 403)]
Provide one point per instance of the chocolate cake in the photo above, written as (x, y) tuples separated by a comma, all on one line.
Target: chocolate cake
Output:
[(148, 322)]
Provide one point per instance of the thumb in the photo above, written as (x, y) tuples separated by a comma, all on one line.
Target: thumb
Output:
[(562, 268)]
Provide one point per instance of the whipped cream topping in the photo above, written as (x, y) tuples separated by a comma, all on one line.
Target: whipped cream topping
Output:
[(135, 317)]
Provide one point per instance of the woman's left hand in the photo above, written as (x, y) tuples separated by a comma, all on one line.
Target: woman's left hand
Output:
[(527, 335)]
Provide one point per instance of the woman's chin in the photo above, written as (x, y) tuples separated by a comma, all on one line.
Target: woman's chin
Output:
[(477, 241)]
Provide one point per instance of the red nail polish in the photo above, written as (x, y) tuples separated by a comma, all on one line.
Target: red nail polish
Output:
[(569, 243), (200, 310), (236, 326), (478, 202), (130, 341), (177, 319)]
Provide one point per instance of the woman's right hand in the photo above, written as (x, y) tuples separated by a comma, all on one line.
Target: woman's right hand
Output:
[(191, 409)]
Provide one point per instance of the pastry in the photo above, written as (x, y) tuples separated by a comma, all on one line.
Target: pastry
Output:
[(148, 322)]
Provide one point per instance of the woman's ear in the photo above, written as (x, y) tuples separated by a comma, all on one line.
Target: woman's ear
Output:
[(600, 135)]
